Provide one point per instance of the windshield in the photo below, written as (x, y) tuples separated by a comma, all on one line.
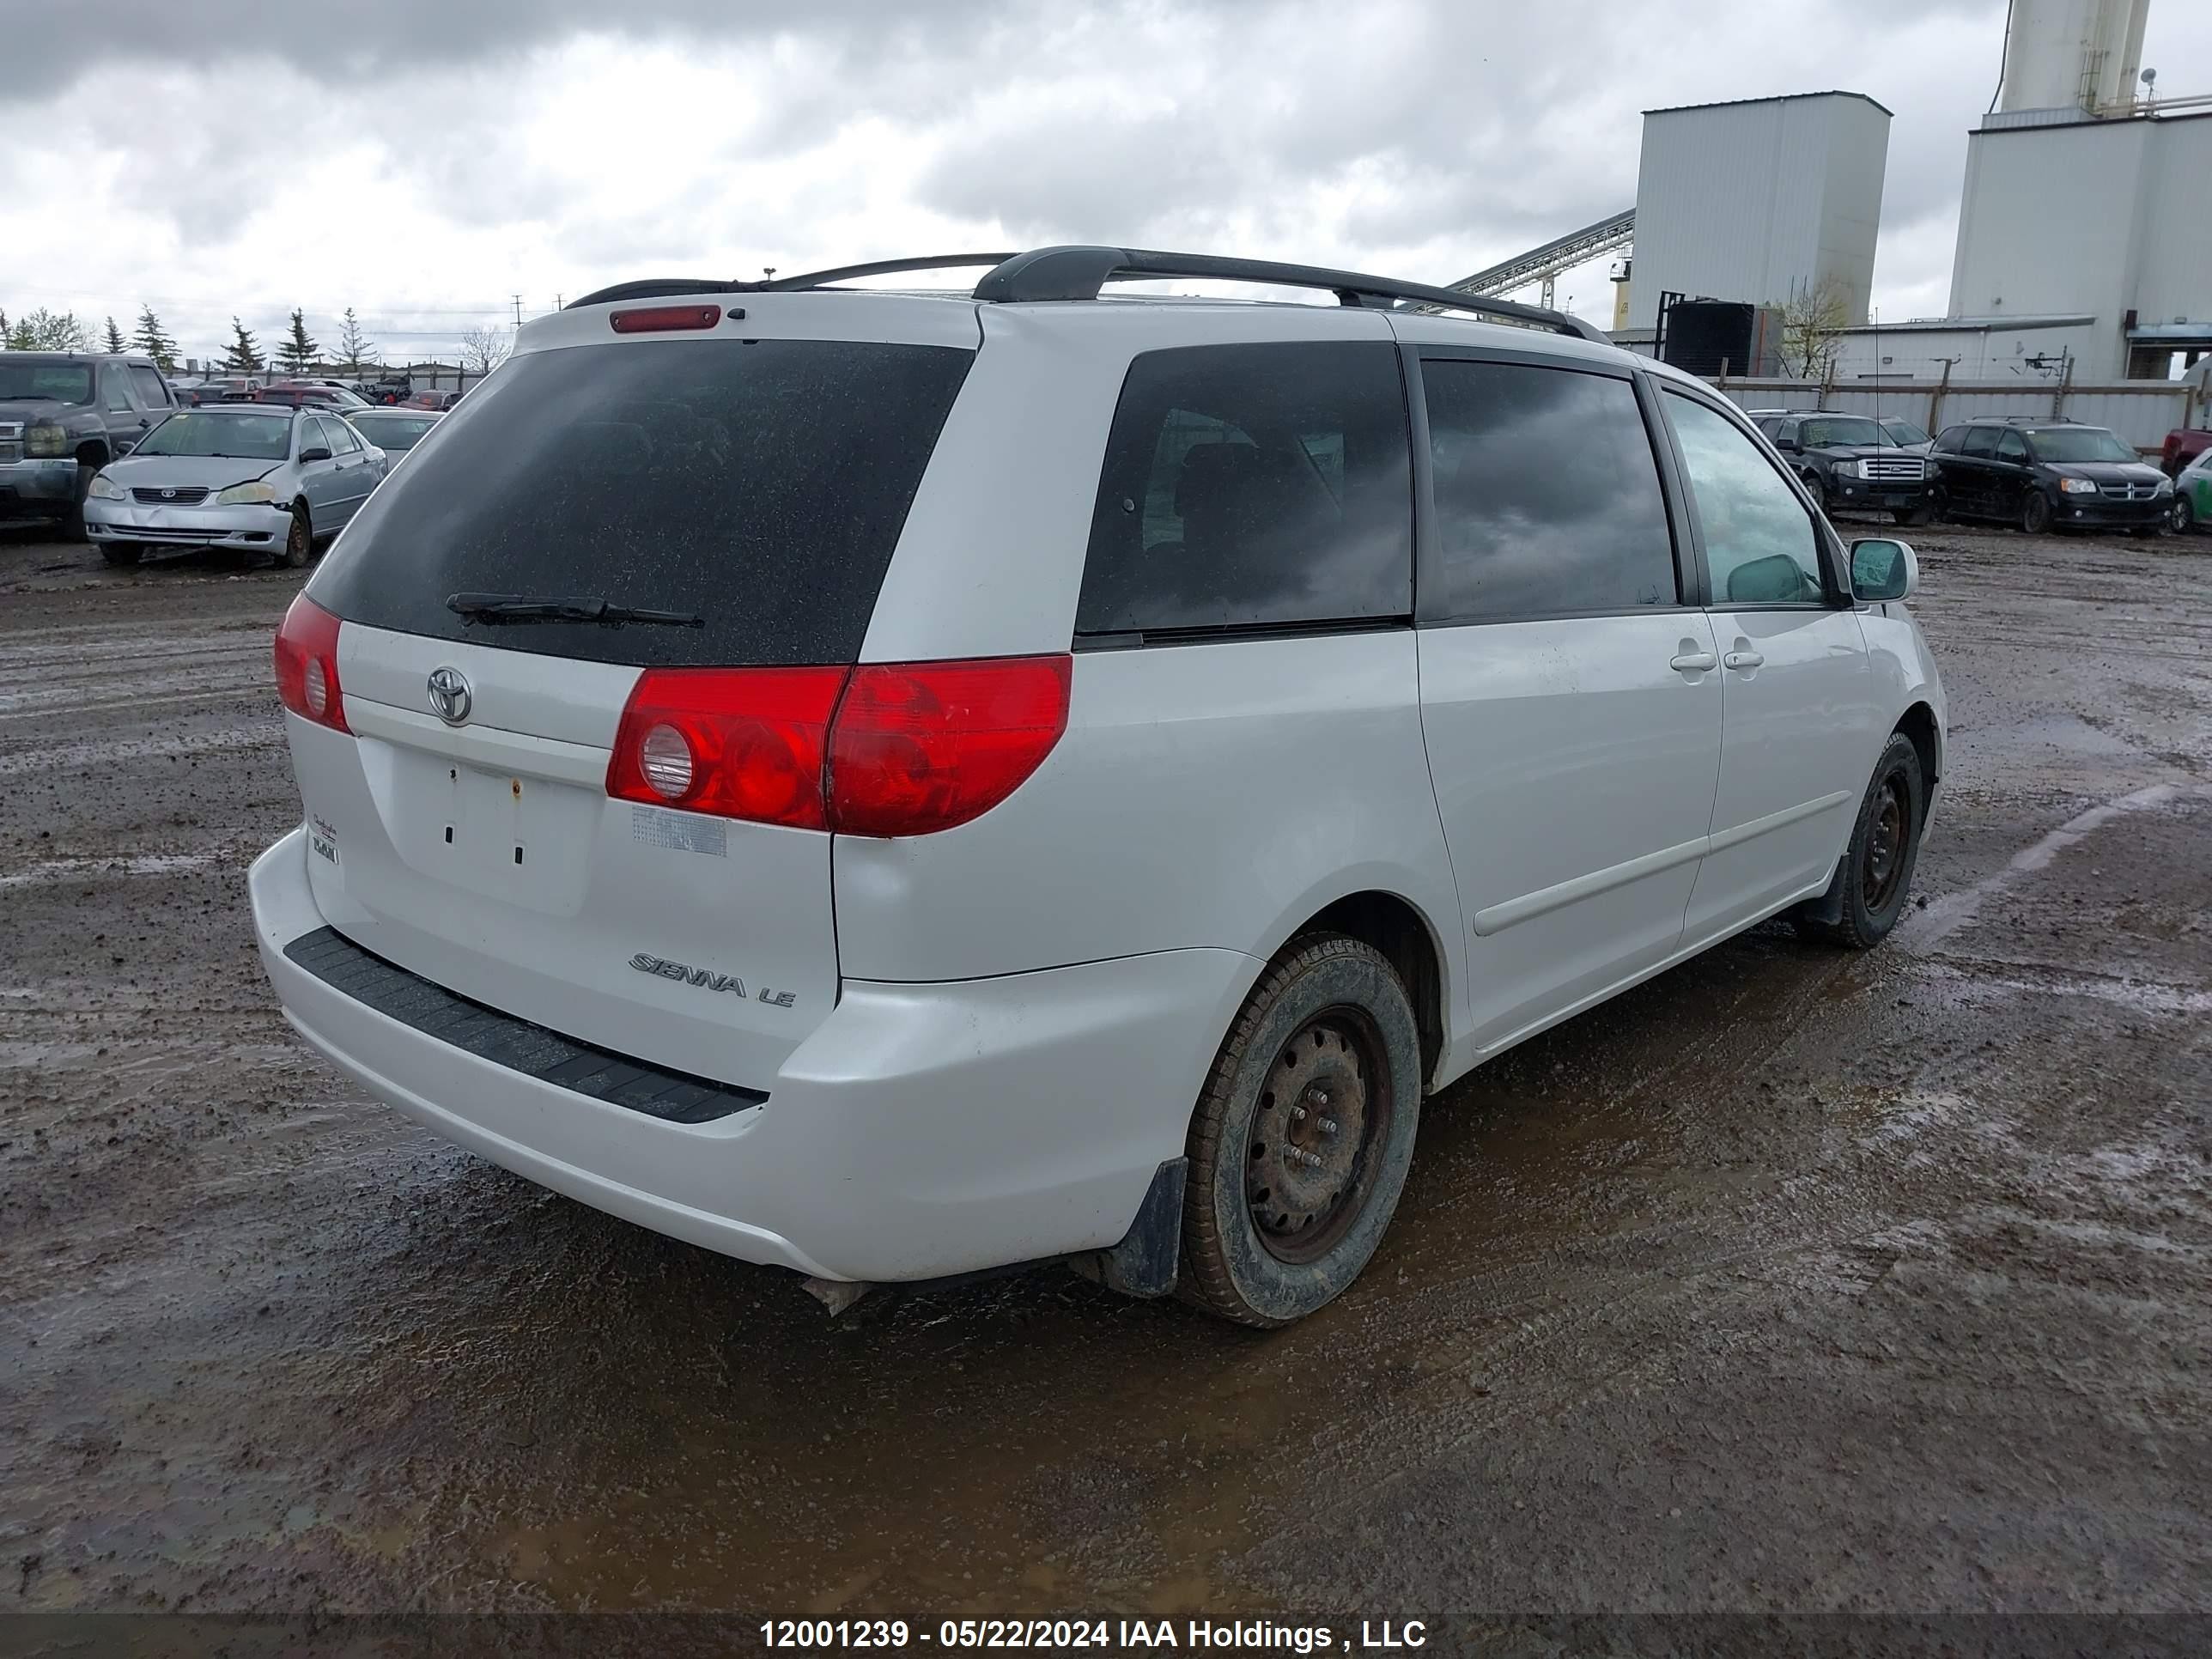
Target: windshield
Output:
[(1904, 432), (2069, 444), (392, 432), (1840, 432), (61, 383), (206, 434)]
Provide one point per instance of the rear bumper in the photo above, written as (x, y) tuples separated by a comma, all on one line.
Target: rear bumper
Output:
[(186, 526), (920, 1131)]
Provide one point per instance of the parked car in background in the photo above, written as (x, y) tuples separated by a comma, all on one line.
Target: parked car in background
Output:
[(251, 477), (394, 431), (2183, 445), (2192, 495), (316, 393), (695, 743), (1849, 461), (437, 400), (388, 389), (2043, 475), (63, 417)]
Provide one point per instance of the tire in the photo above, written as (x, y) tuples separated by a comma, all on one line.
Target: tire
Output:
[(2035, 512), (1267, 1239), (121, 553), (1905, 515), (1937, 506), (1875, 874), (2183, 517), (299, 541)]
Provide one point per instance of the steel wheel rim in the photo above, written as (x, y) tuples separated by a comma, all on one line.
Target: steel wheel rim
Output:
[(1882, 868), (296, 540), (1325, 1108)]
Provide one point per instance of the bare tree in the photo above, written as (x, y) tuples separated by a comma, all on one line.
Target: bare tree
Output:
[(483, 349), (1813, 326)]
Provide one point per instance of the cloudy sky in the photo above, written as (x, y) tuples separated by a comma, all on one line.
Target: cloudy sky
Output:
[(425, 161)]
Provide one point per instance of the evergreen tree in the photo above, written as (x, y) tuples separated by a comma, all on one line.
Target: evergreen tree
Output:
[(153, 343), (4, 328), (354, 348), (46, 331), (243, 356), (298, 350), (114, 338)]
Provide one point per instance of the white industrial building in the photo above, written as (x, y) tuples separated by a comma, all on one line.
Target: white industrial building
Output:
[(1759, 200), (2085, 225)]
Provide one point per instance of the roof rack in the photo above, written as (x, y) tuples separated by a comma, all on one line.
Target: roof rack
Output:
[(1079, 273), (670, 287)]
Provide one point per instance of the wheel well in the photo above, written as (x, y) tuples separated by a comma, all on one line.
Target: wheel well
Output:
[(93, 453), (1919, 725), (1395, 928)]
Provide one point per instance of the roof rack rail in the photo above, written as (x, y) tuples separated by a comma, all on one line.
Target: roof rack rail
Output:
[(875, 268), (1079, 273), (669, 286), (652, 288)]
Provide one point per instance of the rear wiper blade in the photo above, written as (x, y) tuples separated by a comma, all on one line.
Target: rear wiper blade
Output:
[(587, 608)]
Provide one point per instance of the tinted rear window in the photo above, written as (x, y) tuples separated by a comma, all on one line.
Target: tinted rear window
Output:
[(1254, 486), (760, 485)]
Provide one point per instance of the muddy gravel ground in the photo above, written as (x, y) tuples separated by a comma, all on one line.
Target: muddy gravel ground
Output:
[(1793, 1281)]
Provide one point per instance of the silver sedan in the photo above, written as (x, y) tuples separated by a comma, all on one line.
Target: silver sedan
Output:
[(251, 477)]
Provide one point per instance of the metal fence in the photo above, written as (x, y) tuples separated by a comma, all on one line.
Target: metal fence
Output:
[(2141, 412)]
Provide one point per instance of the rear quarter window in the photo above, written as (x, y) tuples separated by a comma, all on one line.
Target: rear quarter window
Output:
[(1253, 486), (761, 485)]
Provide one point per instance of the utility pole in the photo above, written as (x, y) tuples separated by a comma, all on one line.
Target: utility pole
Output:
[(517, 311)]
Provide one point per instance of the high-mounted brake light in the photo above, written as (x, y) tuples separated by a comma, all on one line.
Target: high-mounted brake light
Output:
[(307, 664), (659, 320), (885, 749)]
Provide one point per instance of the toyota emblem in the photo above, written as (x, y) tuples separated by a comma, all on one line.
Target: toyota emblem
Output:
[(168, 494), (449, 695)]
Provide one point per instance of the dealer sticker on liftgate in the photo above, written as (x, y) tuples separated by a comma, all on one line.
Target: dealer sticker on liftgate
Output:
[(322, 839)]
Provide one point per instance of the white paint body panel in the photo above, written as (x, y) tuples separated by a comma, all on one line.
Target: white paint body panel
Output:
[(999, 1031)]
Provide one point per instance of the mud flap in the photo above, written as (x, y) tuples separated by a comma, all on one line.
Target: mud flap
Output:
[(1828, 908), (1144, 1263)]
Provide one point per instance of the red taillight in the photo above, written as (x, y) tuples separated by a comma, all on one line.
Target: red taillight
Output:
[(659, 320), (911, 747), (924, 746), (307, 664), (739, 743)]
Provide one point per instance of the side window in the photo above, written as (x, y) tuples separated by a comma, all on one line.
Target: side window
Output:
[(2012, 447), (313, 434), (343, 440), (1768, 425), (1951, 440), (114, 389), (1761, 546), (152, 392), (1981, 443), (1250, 485), (1546, 493)]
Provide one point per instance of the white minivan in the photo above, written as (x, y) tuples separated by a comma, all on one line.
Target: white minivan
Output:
[(899, 785)]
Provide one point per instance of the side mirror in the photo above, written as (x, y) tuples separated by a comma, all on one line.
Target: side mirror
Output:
[(318, 454), (1884, 569), (1787, 445)]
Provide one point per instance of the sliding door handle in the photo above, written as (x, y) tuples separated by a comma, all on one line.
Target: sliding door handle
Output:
[(1742, 660), (1694, 662)]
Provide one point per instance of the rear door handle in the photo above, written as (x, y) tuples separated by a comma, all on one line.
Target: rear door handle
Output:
[(1742, 660), (1694, 662)]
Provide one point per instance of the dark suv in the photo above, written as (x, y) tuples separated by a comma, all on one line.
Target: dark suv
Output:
[(1848, 460), (64, 415), (2044, 474)]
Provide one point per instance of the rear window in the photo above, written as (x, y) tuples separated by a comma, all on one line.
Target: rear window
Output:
[(761, 485), (1253, 486)]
